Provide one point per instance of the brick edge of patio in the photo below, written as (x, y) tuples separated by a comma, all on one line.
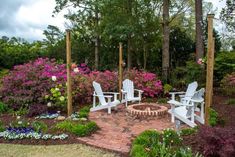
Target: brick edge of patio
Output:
[(120, 151)]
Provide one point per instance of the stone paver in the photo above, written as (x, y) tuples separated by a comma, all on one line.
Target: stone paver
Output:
[(118, 129)]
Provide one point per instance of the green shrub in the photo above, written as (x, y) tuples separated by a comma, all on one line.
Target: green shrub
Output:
[(213, 120), (19, 124), (39, 126), (188, 131), (2, 127), (147, 138), (224, 64), (182, 76), (22, 111), (230, 101), (64, 126), (162, 100), (84, 112), (167, 88), (3, 107), (228, 84), (77, 129), (171, 138), (84, 130)]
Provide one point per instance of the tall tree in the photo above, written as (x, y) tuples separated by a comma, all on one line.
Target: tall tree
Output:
[(227, 15), (199, 32), (85, 16), (166, 40)]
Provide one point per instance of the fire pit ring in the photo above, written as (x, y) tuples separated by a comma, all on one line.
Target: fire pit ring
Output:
[(147, 110)]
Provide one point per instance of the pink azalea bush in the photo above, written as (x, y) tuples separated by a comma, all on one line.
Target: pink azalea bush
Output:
[(148, 82), (27, 84), (30, 83)]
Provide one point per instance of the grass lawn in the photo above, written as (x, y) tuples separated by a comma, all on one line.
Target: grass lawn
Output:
[(72, 150)]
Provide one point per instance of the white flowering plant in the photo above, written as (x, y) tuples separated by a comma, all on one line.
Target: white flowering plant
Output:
[(57, 96)]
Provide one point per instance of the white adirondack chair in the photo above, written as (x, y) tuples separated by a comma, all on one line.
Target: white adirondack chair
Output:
[(128, 92), (198, 101), (103, 104), (184, 109)]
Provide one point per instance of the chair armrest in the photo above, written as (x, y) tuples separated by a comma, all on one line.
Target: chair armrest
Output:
[(176, 93), (105, 96), (139, 90), (177, 103), (110, 93), (124, 92)]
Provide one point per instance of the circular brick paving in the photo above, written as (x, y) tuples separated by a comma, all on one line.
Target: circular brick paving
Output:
[(147, 109)]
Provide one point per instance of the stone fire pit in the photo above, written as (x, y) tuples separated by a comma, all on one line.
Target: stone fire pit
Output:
[(147, 109)]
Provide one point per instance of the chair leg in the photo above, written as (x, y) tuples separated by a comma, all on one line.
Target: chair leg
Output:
[(172, 113), (109, 110)]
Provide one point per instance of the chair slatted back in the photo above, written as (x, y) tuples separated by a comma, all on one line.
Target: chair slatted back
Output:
[(128, 86), (99, 92)]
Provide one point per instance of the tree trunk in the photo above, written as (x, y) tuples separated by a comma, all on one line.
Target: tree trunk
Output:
[(199, 33), (145, 56), (97, 40), (129, 55), (165, 46)]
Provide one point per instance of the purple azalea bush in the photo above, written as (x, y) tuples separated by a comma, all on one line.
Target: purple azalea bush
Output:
[(28, 84)]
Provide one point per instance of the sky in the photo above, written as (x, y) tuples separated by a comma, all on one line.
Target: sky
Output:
[(28, 18)]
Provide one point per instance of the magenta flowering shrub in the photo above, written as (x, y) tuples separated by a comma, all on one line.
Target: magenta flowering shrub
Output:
[(148, 82), (30, 82)]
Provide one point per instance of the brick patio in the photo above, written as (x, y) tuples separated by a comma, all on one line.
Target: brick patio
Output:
[(119, 128)]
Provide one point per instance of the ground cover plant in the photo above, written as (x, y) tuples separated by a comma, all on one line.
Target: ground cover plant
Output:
[(151, 143)]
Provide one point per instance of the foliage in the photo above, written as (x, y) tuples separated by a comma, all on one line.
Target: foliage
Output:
[(217, 141), (226, 14), (213, 117), (20, 123), (171, 138), (230, 101), (64, 125), (37, 109), (182, 76), (76, 128), (84, 129), (181, 47), (188, 131), (162, 100), (2, 127), (3, 107), (151, 143), (148, 82), (167, 88), (57, 96), (228, 84), (39, 126), (224, 64), (22, 111), (17, 51), (83, 113)]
